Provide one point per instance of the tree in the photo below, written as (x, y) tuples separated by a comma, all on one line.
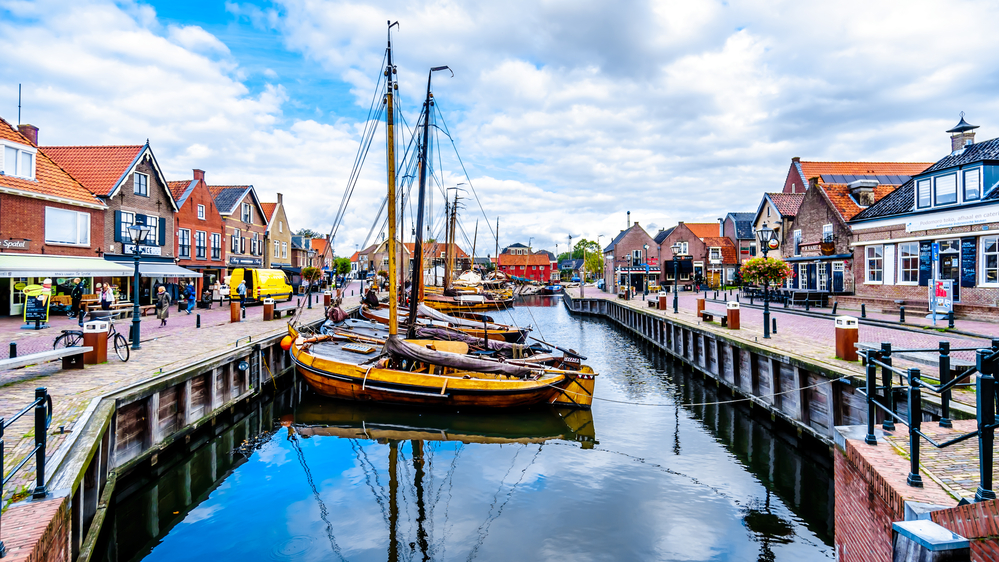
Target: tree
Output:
[(594, 263), (308, 233), (589, 245), (341, 266)]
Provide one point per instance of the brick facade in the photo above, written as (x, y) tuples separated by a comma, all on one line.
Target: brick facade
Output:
[(815, 214), (159, 203), (24, 217), (37, 531), (620, 253), (190, 198), (240, 249)]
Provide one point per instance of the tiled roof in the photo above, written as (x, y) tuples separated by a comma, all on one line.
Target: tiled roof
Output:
[(899, 201), (181, 190), (319, 245), (530, 259), (787, 203), (355, 257), (268, 210), (98, 168), (816, 169), (621, 235), (743, 224), (227, 196), (662, 234), (845, 204), (978, 152), (703, 229), (729, 253), (50, 179)]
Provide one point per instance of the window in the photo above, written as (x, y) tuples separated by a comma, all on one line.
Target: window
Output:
[(277, 248), (234, 242), (908, 262), (201, 212), (255, 249), (923, 193), (797, 242), (823, 275), (752, 249), (990, 259), (247, 213), (153, 237), (715, 254), (127, 220), (19, 162), (945, 191), (827, 233), (200, 243), (280, 226), (67, 227), (972, 184), (242, 244), (284, 249), (683, 248), (184, 242), (875, 263), (534, 268), (140, 184)]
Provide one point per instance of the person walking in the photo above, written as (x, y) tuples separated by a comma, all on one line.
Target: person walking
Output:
[(190, 294), (76, 295), (107, 297), (241, 291), (162, 305)]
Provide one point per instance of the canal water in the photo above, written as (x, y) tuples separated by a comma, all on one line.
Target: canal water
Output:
[(659, 470)]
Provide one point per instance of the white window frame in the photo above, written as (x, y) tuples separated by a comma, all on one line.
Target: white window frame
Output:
[(234, 241), (216, 245), (51, 214), (201, 212), (902, 270), (827, 232), (280, 226), (17, 170), (184, 234), (964, 184), (983, 255), (154, 223), (868, 258), (136, 184), (277, 248), (796, 242), (683, 248), (200, 242), (126, 234), (822, 276), (936, 182), (927, 184), (284, 249), (246, 213), (715, 253)]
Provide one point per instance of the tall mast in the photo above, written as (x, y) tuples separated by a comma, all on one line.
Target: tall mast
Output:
[(497, 247), (475, 240), (390, 153), (417, 287)]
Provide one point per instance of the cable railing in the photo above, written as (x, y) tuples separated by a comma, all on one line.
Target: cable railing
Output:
[(882, 397), (42, 405)]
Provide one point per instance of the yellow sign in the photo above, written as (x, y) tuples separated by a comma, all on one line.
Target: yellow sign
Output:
[(36, 302)]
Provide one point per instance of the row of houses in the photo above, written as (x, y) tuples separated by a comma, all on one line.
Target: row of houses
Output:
[(66, 211), (864, 232)]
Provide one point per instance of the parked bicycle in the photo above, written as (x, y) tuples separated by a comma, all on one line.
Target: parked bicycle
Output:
[(74, 338)]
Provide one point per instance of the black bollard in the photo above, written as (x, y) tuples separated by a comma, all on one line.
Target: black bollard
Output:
[(863, 311), (751, 299), (774, 330), (737, 297), (13, 350), (901, 314), (244, 312), (950, 319), (785, 303), (807, 307), (835, 305), (310, 301), (197, 321)]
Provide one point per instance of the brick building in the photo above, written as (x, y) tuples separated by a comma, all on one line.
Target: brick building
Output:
[(521, 262), (245, 224), (200, 233), (51, 226), (703, 254), (954, 203), (129, 181), (777, 211), (625, 259), (738, 227)]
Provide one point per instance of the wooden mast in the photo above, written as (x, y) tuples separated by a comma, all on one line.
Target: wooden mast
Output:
[(390, 154)]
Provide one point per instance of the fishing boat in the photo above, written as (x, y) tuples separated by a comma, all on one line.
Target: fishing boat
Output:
[(548, 290), (428, 372)]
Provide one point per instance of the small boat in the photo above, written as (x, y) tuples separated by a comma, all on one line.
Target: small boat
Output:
[(550, 290), (466, 303)]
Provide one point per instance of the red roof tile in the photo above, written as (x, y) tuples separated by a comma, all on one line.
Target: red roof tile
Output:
[(268, 210), (702, 229), (816, 169), (843, 202), (435, 249), (528, 259), (729, 253), (177, 188), (50, 179), (98, 168), (787, 203)]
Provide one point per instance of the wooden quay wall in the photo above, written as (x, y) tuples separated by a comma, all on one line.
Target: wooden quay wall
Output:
[(812, 397)]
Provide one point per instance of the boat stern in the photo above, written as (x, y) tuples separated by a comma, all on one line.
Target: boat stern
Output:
[(577, 392)]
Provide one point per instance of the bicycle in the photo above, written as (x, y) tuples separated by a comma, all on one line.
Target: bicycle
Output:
[(74, 338)]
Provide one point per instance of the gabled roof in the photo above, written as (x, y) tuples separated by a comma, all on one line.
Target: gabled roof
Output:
[(743, 224), (268, 209), (729, 253), (839, 197), (663, 234), (551, 256), (787, 204), (703, 229), (298, 243), (570, 263), (228, 196), (181, 190), (621, 235), (102, 169), (51, 181), (436, 249)]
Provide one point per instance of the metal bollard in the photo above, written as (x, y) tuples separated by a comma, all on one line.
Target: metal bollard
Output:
[(901, 314), (310, 301), (807, 307), (863, 310), (774, 330), (737, 297), (752, 300), (986, 414), (13, 350), (243, 310), (197, 321), (887, 378), (950, 319), (944, 379), (835, 306), (915, 419), (872, 374)]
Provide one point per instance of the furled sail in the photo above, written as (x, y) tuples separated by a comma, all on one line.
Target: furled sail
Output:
[(402, 349)]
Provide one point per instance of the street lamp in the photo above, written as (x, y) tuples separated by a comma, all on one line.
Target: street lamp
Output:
[(138, 233), (768, 241), (645, 282), (676, 277)]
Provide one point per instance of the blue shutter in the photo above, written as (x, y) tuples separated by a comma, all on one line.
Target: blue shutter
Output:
[(117, 226), (162, 224), (925, 262)]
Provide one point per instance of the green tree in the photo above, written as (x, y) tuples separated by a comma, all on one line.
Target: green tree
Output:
[(341, 266), (588, 245), (308, 233), (594, 263)]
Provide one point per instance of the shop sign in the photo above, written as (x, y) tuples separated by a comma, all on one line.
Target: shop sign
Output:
[(143, 250), (14, 244), (245, 261), (950, 220)]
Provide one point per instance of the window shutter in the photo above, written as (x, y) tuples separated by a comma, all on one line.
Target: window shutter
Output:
[(162, 224), (969, 253), (117, 226), (925, 262)]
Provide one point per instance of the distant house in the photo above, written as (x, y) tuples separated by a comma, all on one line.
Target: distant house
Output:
[(777, 211), (517, 260), (277, 236), (628, 259), (200, 230), (702, 254), (245, 224), (738, 227)]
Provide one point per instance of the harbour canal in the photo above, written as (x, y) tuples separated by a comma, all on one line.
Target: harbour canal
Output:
[(659, 470)]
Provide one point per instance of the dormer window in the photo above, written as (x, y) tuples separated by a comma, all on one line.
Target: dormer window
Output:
[(972, 184), (945, 189), (715, 254), (19, 161), (923, 194)]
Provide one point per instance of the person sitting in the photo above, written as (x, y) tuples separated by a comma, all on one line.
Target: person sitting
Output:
[(371, 299)]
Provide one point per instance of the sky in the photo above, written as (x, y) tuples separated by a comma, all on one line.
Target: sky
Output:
[(565, 114)]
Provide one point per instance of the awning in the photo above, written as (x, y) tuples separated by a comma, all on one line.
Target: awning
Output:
[(290, 269), (151, 269), (59, 266)]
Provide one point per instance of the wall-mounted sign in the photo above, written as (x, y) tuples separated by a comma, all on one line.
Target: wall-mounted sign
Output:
[(245, 261), (14, 244), (143, 250), (956, 218)]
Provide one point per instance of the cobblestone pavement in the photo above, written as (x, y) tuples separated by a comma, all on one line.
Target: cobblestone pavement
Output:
[(163, 349)]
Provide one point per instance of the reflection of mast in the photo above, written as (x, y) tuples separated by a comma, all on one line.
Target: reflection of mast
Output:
[(323, 512), (421, 506), (393, 553)]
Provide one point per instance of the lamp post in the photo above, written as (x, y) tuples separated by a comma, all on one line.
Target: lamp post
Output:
[(645, 281), (138, 233), (676, 278), (768, 241)]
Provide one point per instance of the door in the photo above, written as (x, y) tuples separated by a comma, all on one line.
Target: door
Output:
[(5, 296), (714, 279), (812, 277), (949, 266), (837, 277)]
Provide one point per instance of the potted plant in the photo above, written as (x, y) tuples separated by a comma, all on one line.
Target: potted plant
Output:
[(766, 271)]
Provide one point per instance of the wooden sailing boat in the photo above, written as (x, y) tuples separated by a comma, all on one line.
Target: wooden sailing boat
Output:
[(426, 372)]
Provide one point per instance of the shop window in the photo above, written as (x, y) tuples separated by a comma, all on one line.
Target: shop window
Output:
[(67, 227), (990, 259), (908, 262), (875, 264)]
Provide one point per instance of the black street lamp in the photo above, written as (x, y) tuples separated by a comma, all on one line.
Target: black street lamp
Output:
[(676, 278), (768, 241), (138, 233), (645, 281)]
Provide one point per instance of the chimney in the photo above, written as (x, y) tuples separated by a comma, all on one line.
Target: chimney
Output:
[(863, 191), (629, 220), (280, 199), (30, 132), (962, 135), (721, 228), (796, 159), (199, 174)]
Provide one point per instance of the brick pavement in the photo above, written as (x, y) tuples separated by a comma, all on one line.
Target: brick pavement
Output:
[(163, 349)]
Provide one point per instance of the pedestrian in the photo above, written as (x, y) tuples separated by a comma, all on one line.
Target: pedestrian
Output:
[(241, 291), (190, 294), (107, 297), (371, 299), (76, 295), (162, 305)]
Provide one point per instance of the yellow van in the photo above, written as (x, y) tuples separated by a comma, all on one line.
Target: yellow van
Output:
[(260, 284)]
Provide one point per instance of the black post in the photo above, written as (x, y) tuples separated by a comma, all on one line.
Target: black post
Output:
[(310, 298), (752, 300), (835, 305), (944, 379), (136, 320), (198, 321), (986, 414), (901, 314), (950, 319), (807, 304), (13, 350), (863, 310), (243, 310), (676, 286), (774, 321), (3, 549), (886, 380), (41, 433), (915, 419), (872, 374)]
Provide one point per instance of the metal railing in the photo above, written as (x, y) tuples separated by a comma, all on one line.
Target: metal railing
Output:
[(43, 417), (882, 397)]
